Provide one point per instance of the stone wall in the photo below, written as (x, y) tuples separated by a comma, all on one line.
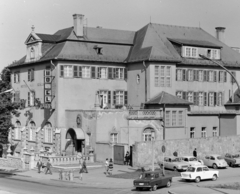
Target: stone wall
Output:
[(142, 153), (11, 161)]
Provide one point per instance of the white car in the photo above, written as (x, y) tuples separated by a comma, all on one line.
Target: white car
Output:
[(174, 163), (198, 173), (191, 160), (215, 161)]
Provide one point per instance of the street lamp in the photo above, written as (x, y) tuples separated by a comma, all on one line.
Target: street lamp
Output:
[(204, 57)]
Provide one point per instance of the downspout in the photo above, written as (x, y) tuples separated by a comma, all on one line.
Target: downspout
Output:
[(145, 80)]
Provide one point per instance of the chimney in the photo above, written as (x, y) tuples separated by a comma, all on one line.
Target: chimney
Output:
[(78, 24), (220, 34)]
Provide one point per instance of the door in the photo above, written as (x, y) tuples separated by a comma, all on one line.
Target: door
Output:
[(118, 154)]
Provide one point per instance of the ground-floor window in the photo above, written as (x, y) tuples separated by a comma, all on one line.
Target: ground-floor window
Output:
[(203, 132), (32, 131), (192, 131), (114, 137), (215, 133), (148, 134)]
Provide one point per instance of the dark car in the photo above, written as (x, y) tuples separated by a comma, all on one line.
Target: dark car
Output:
[(232, 159), (152, 180)]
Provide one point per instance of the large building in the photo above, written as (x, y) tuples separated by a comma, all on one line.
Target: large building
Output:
[(85, 86)]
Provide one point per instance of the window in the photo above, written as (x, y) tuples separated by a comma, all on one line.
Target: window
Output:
[(188, 52), (102, 72), (220, 99), (162, 78), (48, 133), (105, 98), (174, 118), (30, 75), (179, 94), (32, 131), (16, 77), (179, 75), (215, 54), (31, 98), (192, 131), (180, 118), (138, 78), (17, 130), (85, 72), (211, 99), (194, 52), (167, 118), (200, 75), (222, 76), (191, 52), (232, 79), (67, 70), (203, 132), (215, 133), (120, 97), (16, 97), (119, 73), (32, 53), (209, 53), (195, 98), (210, 78), (114, 137), (190, 75), (148, 134), (200, 100), (190, 96)]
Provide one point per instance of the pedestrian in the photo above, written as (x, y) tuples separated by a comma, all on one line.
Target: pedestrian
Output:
[(127, 157), (81, 169), (39, 165), (175, 154), (48, 167), (85, 165), (195, 152), (110, 166), (106, 166)]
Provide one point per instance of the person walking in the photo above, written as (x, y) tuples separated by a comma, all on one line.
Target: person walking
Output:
[(85, 165), (106, 166), (127, 157), (48, 167), (81, 169), (110, 166), (195, 152), (39, 165)]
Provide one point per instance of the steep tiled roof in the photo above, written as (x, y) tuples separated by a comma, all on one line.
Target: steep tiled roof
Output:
[(166, 98), (48, 38)]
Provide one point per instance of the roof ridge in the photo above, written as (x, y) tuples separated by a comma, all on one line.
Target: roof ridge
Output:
[(176, 26)]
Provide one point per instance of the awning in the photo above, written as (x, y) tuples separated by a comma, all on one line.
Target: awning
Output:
[(78, 133)]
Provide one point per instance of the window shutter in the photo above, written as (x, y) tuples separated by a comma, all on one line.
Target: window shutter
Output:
[(219, 76), (218, 102), (32, 74), (125, 98), (215, 98), (195, 98), (29, 98), (197, 75), (232, 79), (205, 99), (114, 73), (125, 73), (177, 74), (14, 77), (93, 71), (183, 75), (109, 99), (223, 98), (75, 71), (184, 95), (209, 99), (98, 72), (225, 76), (176, 93), (29, 75), (207, 74), (110, 73), (61, 71), (187, 73), (194, 75), (204, 75), (215, 76), (80, 71), (114, 97)]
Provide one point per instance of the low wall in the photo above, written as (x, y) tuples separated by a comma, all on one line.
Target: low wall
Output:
[(12, 162), (142, 153)]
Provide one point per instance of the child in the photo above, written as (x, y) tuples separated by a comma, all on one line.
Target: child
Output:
[(110, 166), (106, 166)]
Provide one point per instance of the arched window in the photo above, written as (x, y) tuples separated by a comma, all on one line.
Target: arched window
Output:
[(17, 130), (148, 134), (32, 53), (48, 132), (32, 131)]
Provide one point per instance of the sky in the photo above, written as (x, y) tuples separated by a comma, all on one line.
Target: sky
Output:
[(49, 16)]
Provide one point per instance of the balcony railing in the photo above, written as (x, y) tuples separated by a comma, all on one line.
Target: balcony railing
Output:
[(144, 114)]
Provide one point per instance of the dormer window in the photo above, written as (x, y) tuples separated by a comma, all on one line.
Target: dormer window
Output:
[(98, 49), (209, 53), (32, 53), (191, 52)]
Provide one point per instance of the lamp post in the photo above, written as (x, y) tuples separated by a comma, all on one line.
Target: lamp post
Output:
[(204, 57)]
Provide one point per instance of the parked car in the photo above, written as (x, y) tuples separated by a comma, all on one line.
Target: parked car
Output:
[(232, 159), (199, 172), (152, 180), (191, 160), (215, 161), (174, 163)]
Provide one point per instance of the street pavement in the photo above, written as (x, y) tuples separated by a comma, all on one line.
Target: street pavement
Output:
[(97, 179)]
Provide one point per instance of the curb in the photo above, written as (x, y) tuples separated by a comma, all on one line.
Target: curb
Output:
[(14, 174)]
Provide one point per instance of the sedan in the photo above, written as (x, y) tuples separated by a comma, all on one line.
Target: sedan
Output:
[(198, 173), (152, 180), (215, 161), (174, 163), (232, 159)]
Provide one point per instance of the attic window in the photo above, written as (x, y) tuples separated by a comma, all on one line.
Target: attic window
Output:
[(98, 49), (32, 53), (209, 53)]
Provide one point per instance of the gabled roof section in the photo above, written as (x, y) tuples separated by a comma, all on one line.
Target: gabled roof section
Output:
[(48, 37), (32, 37), (166, 98)]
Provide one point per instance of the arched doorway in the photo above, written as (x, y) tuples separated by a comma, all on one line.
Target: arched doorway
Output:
[(75, 141)]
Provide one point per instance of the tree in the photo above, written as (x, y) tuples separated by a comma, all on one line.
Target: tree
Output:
[(7, 106)]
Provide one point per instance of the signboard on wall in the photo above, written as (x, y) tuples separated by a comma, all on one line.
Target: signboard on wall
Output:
[(47, 88)]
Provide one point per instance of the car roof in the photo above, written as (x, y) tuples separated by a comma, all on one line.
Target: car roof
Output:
[(198, 165), (213, 155), (187, 156)]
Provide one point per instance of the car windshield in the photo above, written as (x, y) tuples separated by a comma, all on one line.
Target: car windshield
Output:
[(190, 169), (177, 160), (192, 159), (146, 176), (235, 156), (220, 158)]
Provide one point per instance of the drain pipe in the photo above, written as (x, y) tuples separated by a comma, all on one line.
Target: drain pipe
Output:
[(145, 80)]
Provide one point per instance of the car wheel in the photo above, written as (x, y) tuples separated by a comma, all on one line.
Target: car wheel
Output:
[(215, 166), (154, 188), (169, 183), (214, 177), (230, 164), (175, 169), (197, 179)]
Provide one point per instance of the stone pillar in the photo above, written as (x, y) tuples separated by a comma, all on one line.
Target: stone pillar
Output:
[(32, 156), (9, 150), (91, 155)]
